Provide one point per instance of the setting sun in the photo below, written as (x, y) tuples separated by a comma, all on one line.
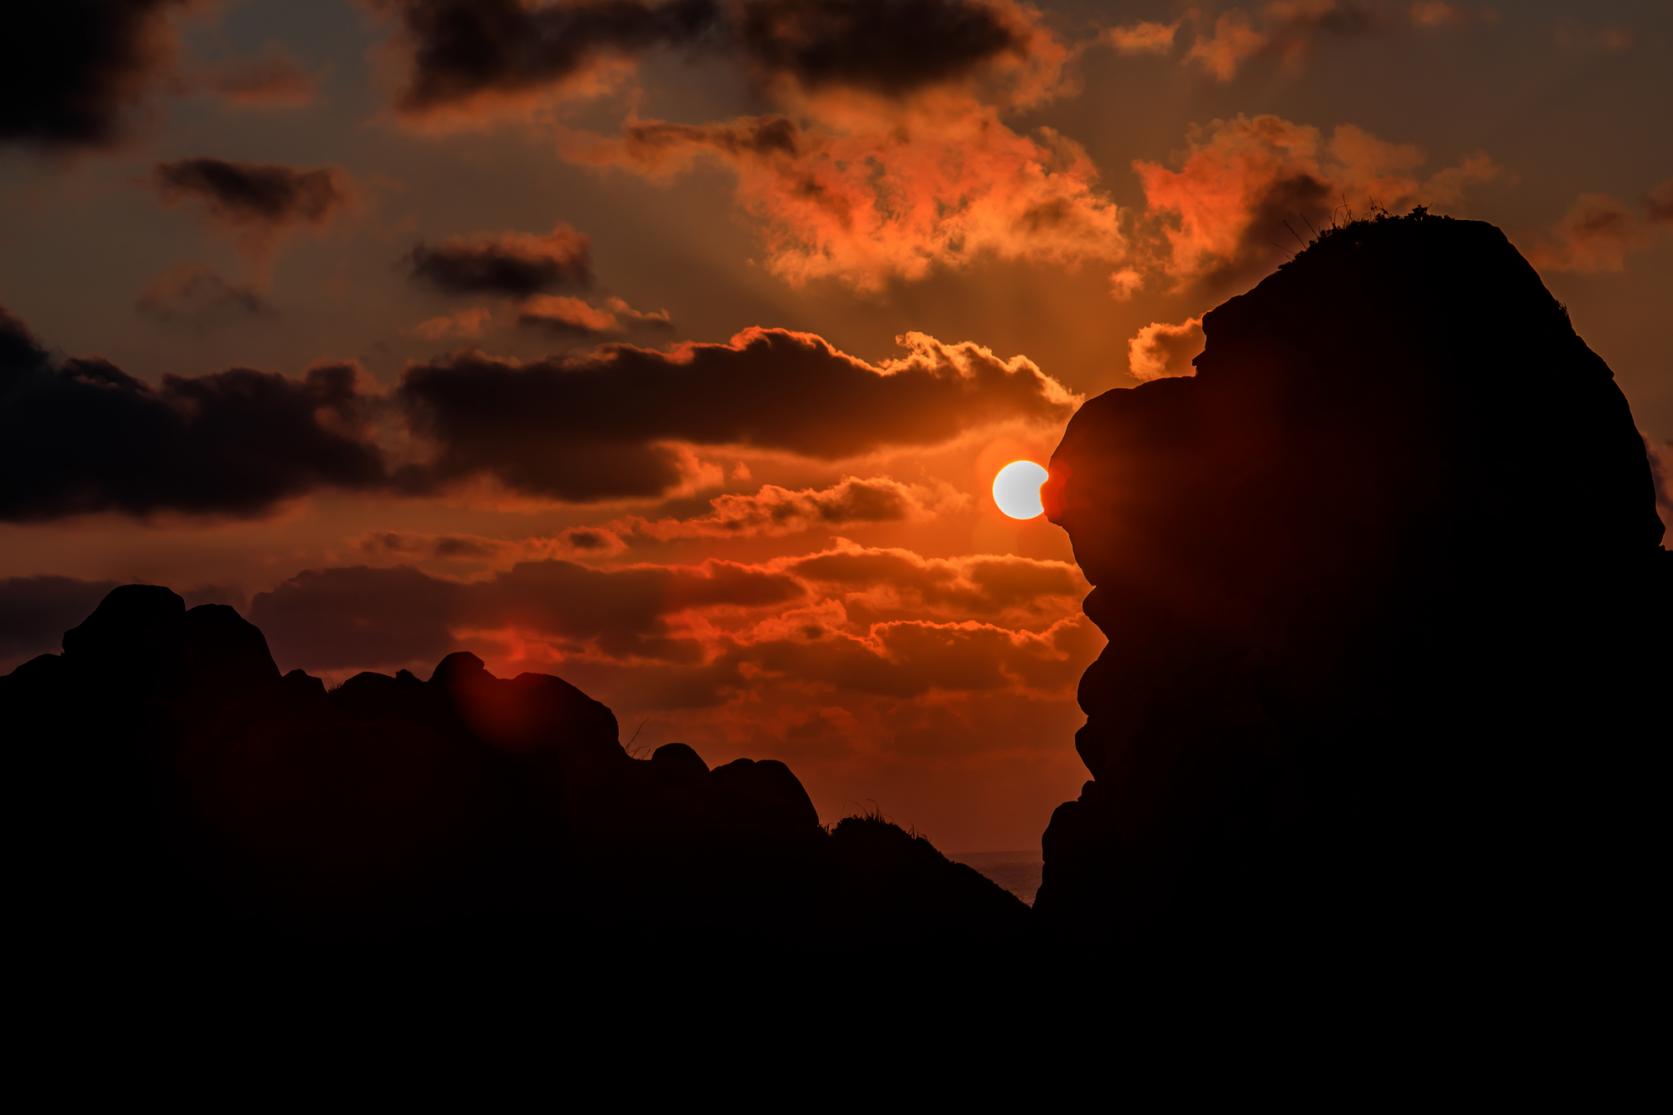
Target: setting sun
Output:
[(1016, 489)]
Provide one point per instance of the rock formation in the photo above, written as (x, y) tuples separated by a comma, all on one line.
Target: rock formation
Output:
[(1388, 621), (174, 796)]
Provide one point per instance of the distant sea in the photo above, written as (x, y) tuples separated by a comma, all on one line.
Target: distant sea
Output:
[(1017, 872)]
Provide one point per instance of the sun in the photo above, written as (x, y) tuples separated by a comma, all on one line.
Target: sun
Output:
[(1017, 489)]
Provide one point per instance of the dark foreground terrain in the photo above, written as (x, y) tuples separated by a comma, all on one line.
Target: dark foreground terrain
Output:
[(1389, 626), (176, 785), (1387, 681)]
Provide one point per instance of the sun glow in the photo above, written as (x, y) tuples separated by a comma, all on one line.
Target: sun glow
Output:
[(1017, 489)]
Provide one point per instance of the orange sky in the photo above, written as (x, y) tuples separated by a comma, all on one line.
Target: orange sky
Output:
[(675, 352)]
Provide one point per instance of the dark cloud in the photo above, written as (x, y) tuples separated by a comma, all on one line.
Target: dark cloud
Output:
[(661, 146), (199, 297), (81, 435), (1281, 219), (596, 426), (890, 48), (467, 50), (461, 53), (70, 69), (266, 195), (36, 611), (617, 422), (515, 264), (359, 616)]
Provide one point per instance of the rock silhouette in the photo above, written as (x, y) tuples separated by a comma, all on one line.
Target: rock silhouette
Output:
[(175, 795), (1388, 664)]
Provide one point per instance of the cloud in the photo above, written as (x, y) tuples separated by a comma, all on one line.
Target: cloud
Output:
[(81, 435), (1593, 236), (272, 79), (704, 635), (898, 49), (774, 510), (259, 201), (512, 264), (890, 583), (598, 425), (1233, 41), (1431, 14), (912, 659), (465, 55), (1290, 30), (73, 72), (474, 553), (465, 324), (565, 315), (770, 512), (465, 60), (1249, 191), (864, 197), (617, 422), (886, 155), (1143, 37), (1658, 204), (1161, 349), (1661, 472), (361, 616), (197, 296)]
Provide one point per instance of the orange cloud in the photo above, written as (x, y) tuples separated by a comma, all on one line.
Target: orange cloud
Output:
[(1248, 191), (1658, 204), (1290, 30), (774, 510), (1160, 349), (1233, 41), (892, 583), (1593, 236), (1143, 37), (576, 317), (465, 324), (864, 197)]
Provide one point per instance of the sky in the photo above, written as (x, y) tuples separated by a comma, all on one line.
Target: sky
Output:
[(672, 347)]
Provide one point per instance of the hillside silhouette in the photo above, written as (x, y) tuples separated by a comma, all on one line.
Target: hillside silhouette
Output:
[(1388, 613), (178, 796)]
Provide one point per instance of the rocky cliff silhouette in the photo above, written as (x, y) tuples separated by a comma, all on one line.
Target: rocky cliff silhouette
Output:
[(1388, 615), (175, 795)]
